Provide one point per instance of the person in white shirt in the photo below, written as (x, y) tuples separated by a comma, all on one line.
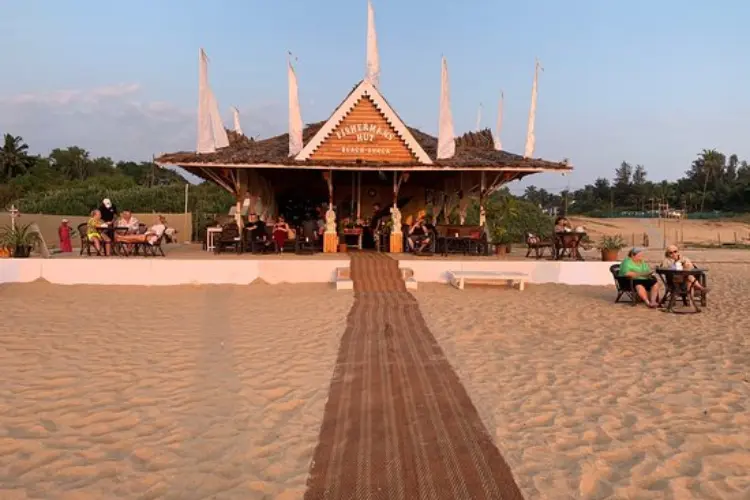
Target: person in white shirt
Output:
[(128, 222), (151, 236)]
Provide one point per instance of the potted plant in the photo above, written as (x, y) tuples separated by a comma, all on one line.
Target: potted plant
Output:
[(20, 240), (502, 240), (611, 246)]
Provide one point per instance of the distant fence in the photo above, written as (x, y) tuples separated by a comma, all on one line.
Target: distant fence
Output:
[(632, 214), (48, 224)]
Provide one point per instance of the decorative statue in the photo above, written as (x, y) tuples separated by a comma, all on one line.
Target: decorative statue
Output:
[(396, 218), (330, 221)]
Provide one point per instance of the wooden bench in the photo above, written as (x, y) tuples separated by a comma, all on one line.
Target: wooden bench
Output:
[(459, 278)]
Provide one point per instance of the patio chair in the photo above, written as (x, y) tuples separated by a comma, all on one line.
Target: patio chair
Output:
[(307, 241), (228, 238), (259, 244), (289, 245), (118, 247), (536, 245), (154, 249), (625, 288), (431, 248), (86, 244)]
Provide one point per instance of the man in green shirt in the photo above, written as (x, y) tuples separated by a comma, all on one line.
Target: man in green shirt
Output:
[(645, 284)]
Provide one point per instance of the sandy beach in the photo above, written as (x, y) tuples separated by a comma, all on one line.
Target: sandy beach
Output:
[(174, 393), (219, 392), (588, 399)]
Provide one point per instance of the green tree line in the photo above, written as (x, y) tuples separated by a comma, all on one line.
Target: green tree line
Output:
[(713, 183), (69, 181)]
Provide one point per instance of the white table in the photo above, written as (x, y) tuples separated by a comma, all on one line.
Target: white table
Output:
[(459, 278), (211, 232)]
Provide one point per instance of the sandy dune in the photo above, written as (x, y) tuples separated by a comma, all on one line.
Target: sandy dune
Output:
[(178, 393), (587, 399)]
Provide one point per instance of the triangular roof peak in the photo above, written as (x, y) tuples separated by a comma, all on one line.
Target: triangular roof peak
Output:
[(365, 90)]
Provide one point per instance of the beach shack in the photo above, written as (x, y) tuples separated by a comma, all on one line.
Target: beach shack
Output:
[(363, 154)]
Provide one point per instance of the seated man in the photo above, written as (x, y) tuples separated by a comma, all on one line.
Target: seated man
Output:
[(151, 236), (127, 221), (256, 227), (419, 235), (257, 230), (674, 260), (644, 282)]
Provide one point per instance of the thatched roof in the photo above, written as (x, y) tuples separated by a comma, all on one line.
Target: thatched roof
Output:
[(474, 150)]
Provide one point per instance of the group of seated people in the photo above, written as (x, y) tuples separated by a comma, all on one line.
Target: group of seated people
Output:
[(645, 283), (280, 233), (418, 236), (104, 226)]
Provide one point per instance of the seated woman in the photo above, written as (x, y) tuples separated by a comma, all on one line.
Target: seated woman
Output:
[(562, 225), (96, 234), (151, 236), (674, 260), (645, 284), (281, 233), (419, 235)]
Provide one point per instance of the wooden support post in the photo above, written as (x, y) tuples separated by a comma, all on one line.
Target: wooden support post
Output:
[(359, 195), (482, 192)]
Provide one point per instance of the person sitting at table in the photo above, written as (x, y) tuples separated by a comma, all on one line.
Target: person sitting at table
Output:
[(562, 225), (96, 234), (257, 230), (418, 235), (128, 222), (645, 284), (151, 236), (281, 233), (256, 227), (674, 260)]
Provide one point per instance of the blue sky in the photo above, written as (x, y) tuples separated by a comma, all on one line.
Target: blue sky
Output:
[(648, 82)]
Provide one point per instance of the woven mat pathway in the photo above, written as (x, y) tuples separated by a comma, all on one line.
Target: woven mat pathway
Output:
[(398, 424)]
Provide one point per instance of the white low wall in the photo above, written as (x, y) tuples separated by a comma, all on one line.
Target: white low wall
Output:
[(539, 271), (168, 272)]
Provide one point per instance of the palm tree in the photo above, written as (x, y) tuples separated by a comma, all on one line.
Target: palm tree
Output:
[(712, 163), (14, 159)]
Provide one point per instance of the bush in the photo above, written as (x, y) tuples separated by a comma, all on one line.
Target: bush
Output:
[(516, 216)]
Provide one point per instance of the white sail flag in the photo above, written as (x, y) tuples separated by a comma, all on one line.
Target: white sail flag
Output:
[(211, 132), (373, 58), (220, 133), (236, 115), (446, 140), (530, 137), (295, 115), (498, 142), (205, 132), (479, 118)]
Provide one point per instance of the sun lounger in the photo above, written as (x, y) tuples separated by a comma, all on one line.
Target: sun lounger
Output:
[(460, 278)]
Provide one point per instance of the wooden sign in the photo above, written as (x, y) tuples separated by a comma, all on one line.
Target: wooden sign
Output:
[(364, 134)]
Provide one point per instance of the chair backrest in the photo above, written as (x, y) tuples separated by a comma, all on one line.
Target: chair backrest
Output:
[(83, 230), (229, 231), (622, 282)]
